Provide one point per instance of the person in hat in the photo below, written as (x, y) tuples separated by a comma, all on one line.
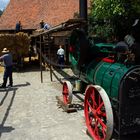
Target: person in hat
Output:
[(8, 63)]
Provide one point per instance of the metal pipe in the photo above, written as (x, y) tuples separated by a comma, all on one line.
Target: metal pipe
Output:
[(83, 9), (41, 74)]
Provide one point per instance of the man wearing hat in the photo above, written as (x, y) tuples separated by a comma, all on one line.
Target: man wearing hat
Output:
[(8, 63)]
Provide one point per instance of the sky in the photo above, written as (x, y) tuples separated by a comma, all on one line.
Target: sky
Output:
[(3, 4)]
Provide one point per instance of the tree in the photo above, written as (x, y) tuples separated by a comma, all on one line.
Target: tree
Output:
[(116, 15), (1, 12), (106, 9)]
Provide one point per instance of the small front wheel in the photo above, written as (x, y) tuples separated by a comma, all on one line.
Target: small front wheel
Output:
[(67, 92)]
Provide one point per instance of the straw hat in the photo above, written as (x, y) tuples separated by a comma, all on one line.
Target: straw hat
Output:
[(5, 50)]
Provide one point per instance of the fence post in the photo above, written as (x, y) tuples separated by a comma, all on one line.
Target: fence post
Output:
[(41, 74), (50, 57)]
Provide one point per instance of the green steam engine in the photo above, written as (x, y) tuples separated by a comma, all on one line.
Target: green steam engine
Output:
[(112, 95)]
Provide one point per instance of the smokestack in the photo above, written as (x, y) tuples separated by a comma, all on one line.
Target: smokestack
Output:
[(83, 9)]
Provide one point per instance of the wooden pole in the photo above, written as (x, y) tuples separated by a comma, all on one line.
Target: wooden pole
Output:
[(41, 74), (50, 57)]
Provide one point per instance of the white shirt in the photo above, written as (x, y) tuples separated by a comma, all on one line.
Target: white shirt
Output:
[(60, 51), (47, 26)]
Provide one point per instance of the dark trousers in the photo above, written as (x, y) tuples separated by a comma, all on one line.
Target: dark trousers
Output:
[(61, 59), (7, 73)]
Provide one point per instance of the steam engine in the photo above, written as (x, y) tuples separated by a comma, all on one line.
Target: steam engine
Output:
[(112, 96)]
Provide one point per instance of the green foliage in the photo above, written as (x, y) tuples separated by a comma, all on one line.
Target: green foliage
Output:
[(106, 9), (1, 12), (104, 31), (116, 16)]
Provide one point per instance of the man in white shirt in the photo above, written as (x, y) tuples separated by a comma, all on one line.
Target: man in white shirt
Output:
[(60, 54)]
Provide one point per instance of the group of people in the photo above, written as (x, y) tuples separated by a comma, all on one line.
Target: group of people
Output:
[(129, 42), (7, 60), (44, 25), (60, 51)]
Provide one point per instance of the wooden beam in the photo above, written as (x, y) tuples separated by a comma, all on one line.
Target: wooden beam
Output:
[(41, 74)]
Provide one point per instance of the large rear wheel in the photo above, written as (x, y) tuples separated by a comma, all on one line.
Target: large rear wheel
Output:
[(98, 113)]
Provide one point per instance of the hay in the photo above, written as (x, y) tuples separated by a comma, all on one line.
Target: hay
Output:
[(18, 44)]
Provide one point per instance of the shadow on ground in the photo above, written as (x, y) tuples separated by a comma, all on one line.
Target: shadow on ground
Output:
[(3, 128)]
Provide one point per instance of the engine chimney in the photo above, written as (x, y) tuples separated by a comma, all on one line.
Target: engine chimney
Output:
[(83, 9)]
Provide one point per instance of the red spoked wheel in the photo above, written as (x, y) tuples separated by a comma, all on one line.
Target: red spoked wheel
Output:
[(98, 113), (67, 92)]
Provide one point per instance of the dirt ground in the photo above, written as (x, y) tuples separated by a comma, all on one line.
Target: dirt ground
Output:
[(29, 110)]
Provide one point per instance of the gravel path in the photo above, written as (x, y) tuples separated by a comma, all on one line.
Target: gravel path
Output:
[(29, 110)]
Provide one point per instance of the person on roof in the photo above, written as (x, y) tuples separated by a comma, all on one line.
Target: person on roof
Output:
[(18, 26), (42, 24), (47, 26)]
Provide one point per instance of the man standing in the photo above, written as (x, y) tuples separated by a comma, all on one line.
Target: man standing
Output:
[(18, 27), (42, 24), (8, 63), (60, 54)]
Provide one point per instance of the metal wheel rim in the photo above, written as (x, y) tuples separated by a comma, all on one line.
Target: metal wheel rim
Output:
[(98, 113), (67, 92)]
